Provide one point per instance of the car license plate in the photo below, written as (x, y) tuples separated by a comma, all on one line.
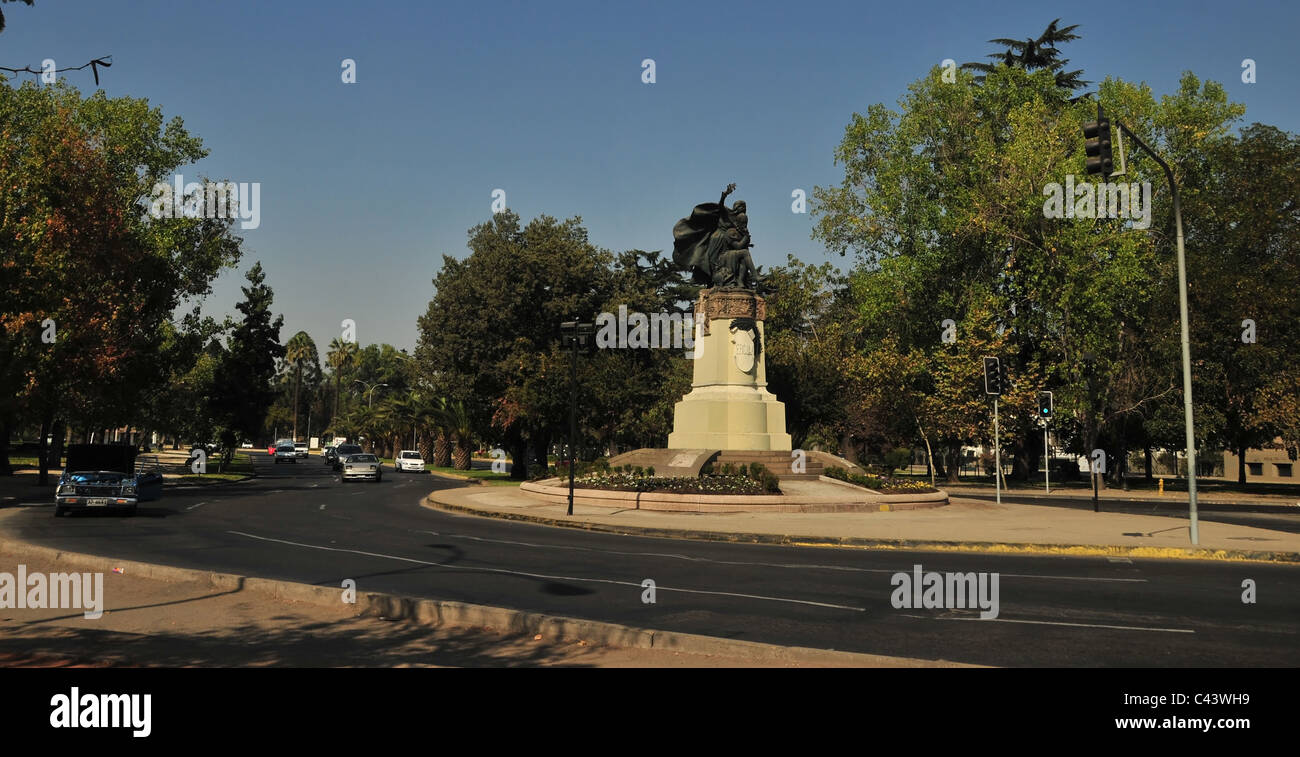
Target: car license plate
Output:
[(97, 501)]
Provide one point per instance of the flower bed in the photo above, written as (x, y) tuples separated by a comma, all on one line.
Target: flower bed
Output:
[(706, 484), (882, 484)]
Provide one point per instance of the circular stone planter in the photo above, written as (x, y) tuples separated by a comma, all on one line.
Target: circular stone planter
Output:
[(825, 495)]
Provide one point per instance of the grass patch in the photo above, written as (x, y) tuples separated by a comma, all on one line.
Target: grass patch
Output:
[(241, 466), (486, 476)]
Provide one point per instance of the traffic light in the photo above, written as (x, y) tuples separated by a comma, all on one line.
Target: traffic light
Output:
[(1097, 145), (992, 376), (1045, 405)]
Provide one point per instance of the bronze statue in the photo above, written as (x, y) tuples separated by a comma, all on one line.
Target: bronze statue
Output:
[(713, 244)]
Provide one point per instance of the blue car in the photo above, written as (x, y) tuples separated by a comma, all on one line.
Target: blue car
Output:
[(105, 475)]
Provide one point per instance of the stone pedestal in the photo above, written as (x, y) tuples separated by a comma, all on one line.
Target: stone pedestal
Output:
[(729, 407)]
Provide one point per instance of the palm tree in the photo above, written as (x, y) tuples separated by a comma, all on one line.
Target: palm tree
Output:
[(1034, 54), (439, 424), (460, 428), (298, 352), (342, 355)]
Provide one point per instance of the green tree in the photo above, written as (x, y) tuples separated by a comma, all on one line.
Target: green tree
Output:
[(299, 352), (1244, 247), (242, 392), (1033, 54), (83, 259)]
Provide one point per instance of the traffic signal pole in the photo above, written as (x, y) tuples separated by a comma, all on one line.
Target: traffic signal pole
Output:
[(997, 453), (1099, 160), (1184, 335), (1047, 456)]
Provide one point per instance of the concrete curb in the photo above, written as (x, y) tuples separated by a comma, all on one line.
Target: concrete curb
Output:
[(852, 542), (436, 613), (855, 499)]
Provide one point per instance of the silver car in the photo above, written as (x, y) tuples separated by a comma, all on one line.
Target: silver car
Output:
[(364, 465)]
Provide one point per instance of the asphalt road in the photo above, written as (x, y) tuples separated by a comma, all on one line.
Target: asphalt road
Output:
[(298, 522)]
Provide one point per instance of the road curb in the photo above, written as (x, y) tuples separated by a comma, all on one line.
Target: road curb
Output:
[(436, 613), (853, 542)]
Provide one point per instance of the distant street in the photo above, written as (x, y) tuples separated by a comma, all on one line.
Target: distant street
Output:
[(298, 522)]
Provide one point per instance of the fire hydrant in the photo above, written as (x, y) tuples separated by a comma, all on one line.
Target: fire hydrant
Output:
[(1161, 487)]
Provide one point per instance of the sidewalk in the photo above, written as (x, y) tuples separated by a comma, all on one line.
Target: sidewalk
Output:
[(965, 524), (1174, 499)]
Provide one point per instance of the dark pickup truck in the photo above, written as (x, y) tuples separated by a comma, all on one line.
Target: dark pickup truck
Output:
[(107, 476)]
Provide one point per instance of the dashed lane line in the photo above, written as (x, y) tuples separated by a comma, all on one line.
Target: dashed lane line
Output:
[(550, 577), (805, 566)]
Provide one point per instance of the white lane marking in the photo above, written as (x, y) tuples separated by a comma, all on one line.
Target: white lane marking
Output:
[(813, 566), (1120, 560), (322, 507), (275, 491), (1061, 623), (191, 507), (550, 577)]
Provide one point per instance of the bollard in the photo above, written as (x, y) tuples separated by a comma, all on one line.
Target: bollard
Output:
[(1161, 486)]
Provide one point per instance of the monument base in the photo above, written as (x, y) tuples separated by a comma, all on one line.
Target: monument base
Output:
[(729, 406), (729, 417)]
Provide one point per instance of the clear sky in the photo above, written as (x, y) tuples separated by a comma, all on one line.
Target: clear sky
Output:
[(365, 186)]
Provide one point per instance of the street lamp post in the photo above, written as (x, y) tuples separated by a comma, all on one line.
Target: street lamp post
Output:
[(574, 335), (369, 391)]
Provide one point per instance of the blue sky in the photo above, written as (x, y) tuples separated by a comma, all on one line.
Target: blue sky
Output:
[(365, 186)]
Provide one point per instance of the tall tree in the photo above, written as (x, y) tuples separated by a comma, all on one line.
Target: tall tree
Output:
[(243, 392), (1033, 54), (91, 284), (298, 353), (341, 357)]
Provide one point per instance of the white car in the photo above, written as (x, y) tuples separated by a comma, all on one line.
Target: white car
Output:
[(364, 465), (300, 449), (409, 459)]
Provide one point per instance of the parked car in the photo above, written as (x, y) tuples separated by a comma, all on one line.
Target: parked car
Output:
[(408, 459), (342, 451), (364, 465), (301, 449), (106, 475), (286, 452)]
